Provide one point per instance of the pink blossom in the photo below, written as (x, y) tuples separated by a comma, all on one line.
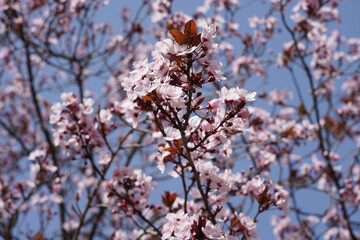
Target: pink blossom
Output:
[(104, 159), (120, 235), (86, 106), (236, 94), (105, 115), (255, 186), (169, 46), (68, 98), (177, 226), (278, 96), (209, 32), (337, 232), (130, 110), (281, 197), (37, 154), (56, 198), (249, 225), (254, 21), (213, 232), (164, 114), (170, 92), (70, 225), (171, 134), (214, 67), (160, 11), (4, 52), (160, 66), (207, 170)]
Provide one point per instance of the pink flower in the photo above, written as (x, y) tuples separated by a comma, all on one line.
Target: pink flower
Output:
[(160, 66), (212, 232), (146, 86), (55, 111), (209, 32), (130, 182), (213, 67), (172, 133), (160, 10), (169, 46), (170, 92), (104, 159), (249, 225), (282, 198), (56, 198), (337, 233), (129, 109), (68, 98), (105, 115), (120, 235), (255, 186), (207, 170), (70, 225), (86, 106), (37, 154), (235, 95), (213, 105), (178, 226), (254, 21), (4, 52)]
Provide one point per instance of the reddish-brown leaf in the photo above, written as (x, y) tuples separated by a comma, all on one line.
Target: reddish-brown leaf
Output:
[(266, 189), (147, 98), (178, 144), (178, 36), (198, 76), (170, 149), (77, 197), (172, 198), (168, 158), (38, 236), (234, 222), (190, 29), (196, 40), (169, 199), (3, 188), (302, 110), (174, 58)]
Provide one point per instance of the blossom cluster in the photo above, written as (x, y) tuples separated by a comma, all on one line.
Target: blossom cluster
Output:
[(168, 130)]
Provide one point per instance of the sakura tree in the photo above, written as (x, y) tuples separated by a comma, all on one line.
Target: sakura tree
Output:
[(172, 124)]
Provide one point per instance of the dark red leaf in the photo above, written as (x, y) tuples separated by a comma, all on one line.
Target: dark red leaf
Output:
[(169, 199), (38, 236), (190, 29), (174, 58), (178, 36), (147, 98), (196, 40), (170, 149)]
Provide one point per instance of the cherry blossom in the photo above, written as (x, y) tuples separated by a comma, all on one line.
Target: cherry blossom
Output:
[(175, 124)]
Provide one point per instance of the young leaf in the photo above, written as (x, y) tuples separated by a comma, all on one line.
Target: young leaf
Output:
[(169, 199), (174, 58), (196, 40), (37, 236), (178, 36), (170, 149), (190, 29), (147, 98)]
